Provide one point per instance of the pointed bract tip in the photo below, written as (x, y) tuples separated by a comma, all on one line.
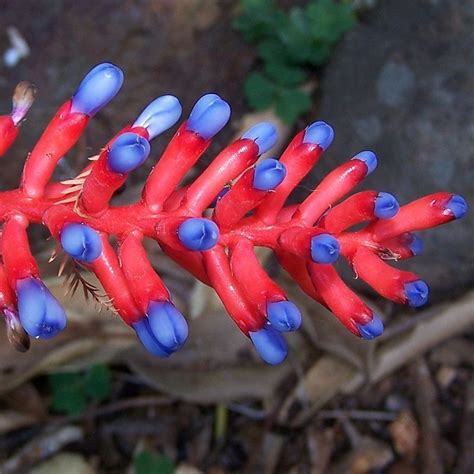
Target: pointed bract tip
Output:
[(81, 242), (284, 316), (97, 89), (416, 245), (324, 248), (268, 174), (270, 345), (159, 115), (128, 152), (264, 134), (209, 116), (372, 329), (40, 313), (198, 234), (319, 133), (386, 206), (369, 158), (23, 99), (416, 293)]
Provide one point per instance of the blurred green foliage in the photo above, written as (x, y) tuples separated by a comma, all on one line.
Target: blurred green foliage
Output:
[(287, 44), (151, 463), (72, 391)]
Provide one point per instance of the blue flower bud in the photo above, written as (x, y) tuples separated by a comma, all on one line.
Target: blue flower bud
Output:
[(159, 115), (221, 194), (198, 234), (386, 206), (270, 345), (127, 153), (372, 329), (369, 158), (264, 134), (319, 133), (168, 325), (81, 242), (324, 248), (97, 89), (268, 174), (416, 293), (209, 116), (146, 337), (416, 245), (284, 316), (458, 206), (41, 315)]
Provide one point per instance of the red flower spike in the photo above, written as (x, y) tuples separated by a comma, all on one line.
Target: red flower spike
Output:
[(218, 250)]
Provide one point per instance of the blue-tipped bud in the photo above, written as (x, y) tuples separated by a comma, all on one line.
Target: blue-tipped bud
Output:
[(147, 338), (369, 158), (159, 115), (209, 116), (319, 133), (386, 206), (168, 325), (128, 152), (198, 234), (324, 248), (41, 315), (81, 242), (97, 89), (264, 134), (457, 205), (284, 316), (372, 329), (268, 174), (416, 245), (270, 345), (416, 293)]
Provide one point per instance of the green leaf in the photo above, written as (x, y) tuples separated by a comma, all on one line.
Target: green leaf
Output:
[(98, 382), (150, 463), (259, 91), (291, 104), (68, 393), (285, 74)]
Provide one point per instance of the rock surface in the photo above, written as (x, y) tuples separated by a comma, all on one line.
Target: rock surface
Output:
[(402, 85)]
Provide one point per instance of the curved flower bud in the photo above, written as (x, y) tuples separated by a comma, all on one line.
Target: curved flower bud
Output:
[(270, 345), (159, 115), (369, 158), (81, 242), (209, 116), (371, 329), (264, 134), (268, 174), (41, 315), (198, 234), (97, 89), (319, 133), (284, 316), (386, 206), (324, 248), (127, 153), (416, 293), (168, 325)]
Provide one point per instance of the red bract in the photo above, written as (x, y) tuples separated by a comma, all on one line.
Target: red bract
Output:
[(247, 196)]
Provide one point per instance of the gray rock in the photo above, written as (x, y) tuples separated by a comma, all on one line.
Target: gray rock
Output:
[(402, 85)]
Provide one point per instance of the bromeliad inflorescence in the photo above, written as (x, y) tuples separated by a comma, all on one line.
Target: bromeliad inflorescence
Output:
[(246, 197)]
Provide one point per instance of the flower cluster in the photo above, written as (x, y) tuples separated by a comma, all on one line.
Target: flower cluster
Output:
[(242, 195)]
